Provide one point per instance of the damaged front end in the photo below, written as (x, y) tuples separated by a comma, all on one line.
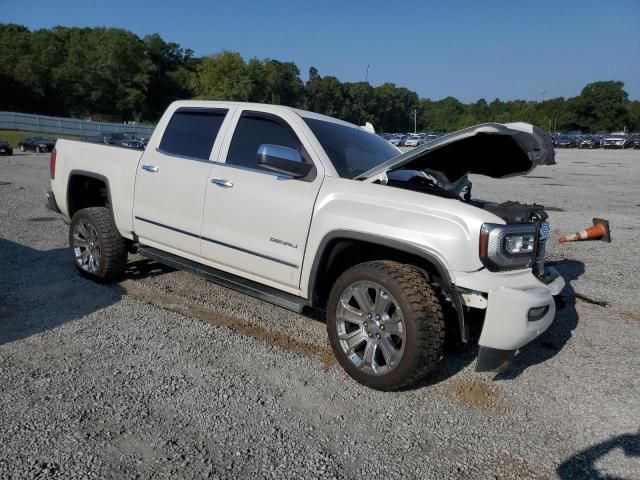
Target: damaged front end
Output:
[(517, 307), (441, 168)]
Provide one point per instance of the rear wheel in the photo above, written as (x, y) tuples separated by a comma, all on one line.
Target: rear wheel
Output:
[(98, 250), (385, 324)]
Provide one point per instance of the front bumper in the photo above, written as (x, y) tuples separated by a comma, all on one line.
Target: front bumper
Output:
[(515, 316)]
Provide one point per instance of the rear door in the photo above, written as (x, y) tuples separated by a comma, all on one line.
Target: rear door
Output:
[(171, 180), (256, 221)]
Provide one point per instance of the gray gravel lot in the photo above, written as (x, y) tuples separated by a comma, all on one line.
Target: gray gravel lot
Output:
[(168, 376)]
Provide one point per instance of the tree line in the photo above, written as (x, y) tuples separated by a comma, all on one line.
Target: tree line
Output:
[(112, 74)]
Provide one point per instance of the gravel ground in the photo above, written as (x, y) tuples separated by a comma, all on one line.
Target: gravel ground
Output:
[(166, 375)]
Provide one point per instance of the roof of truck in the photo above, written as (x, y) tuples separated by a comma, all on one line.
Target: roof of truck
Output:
[(224, 103)]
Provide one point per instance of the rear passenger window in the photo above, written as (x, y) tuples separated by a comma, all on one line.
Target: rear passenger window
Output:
[(192, 132), (255, 129)]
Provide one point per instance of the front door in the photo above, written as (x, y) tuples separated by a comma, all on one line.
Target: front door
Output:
[(256, 221)]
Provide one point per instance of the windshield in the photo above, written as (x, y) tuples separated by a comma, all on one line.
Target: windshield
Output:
[(352, 151)]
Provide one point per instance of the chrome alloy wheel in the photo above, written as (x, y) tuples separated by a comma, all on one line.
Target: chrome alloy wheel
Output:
[(86, 246), (371, 329)]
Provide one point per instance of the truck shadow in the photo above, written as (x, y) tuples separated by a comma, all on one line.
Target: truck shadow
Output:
[(139, 268), (41, 290), (582, 465), (559, 333)]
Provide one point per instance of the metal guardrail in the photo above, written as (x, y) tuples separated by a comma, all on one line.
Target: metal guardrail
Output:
[(66, 126)]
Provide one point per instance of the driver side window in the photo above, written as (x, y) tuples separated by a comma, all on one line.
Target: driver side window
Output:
[(255, 129)]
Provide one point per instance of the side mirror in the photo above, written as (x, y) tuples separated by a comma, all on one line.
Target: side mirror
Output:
[(283, 160)]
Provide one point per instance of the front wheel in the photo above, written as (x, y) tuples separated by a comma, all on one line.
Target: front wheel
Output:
[(385, 324), (98, 250)]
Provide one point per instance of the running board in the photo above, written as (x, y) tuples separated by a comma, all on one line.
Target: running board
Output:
[(234, 282)]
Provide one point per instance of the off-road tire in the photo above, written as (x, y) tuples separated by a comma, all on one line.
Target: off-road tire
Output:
[(114, 248), (423, 317)]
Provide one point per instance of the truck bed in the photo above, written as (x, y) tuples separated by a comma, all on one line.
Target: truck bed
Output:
[(116, 166)]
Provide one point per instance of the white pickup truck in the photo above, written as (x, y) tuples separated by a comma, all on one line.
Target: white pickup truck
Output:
[(300, 209)]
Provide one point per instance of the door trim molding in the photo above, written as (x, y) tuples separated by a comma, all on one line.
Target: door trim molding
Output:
[(218, 242)]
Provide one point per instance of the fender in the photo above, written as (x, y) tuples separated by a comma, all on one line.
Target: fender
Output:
[(96, 176), (442, 272)]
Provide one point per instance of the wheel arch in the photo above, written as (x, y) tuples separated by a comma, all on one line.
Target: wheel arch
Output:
[(79, 197), (342, 249)]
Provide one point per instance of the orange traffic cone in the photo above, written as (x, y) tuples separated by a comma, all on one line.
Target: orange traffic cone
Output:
[(599, 231)]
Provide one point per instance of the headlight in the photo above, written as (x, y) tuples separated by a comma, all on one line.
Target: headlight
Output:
[(507, 247)]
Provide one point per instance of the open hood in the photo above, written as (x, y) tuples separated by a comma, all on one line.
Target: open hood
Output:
[(493, 149)]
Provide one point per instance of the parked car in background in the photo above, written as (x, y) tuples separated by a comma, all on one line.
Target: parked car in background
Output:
[(617, 140), (635, 140), (36, 144), (413, 141), (124, 139), (564, 141), (590, 141), (120, 139), (398, 140), (5, 148)]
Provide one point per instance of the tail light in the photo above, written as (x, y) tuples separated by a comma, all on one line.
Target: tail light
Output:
[(52, 163)]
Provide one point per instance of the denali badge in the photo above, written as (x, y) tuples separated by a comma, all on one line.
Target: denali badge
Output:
[(282, 242)]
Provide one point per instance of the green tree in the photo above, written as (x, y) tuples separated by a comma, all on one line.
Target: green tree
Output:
[(633, 114), (275, 82), (101, 71), (170, 76), (323, 94), (602, 106), (222, 76)]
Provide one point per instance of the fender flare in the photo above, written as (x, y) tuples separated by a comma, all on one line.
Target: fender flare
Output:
[(442, 272), (97, 176)]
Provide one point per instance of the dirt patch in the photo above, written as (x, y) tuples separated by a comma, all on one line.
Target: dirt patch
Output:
[(592, 301), (478, 394), (42, 219), (274, 338), (633, 316), (5, 183)]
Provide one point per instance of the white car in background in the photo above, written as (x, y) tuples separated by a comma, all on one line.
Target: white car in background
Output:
[(413, 141)]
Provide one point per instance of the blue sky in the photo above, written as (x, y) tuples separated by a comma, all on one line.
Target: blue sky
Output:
[(467, 49)]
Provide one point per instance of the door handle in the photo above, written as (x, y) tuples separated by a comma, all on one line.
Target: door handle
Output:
[(150, 168), (221, 182)]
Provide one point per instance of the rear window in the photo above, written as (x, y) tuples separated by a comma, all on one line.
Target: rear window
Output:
[(192, 132)]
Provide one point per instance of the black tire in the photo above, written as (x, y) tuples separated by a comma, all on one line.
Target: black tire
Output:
[(113, 247), (423, 321)]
